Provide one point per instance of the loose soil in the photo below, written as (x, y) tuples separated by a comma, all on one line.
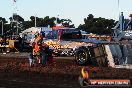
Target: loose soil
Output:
[(15, 72)]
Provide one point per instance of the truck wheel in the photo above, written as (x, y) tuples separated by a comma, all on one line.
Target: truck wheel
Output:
[(82, 57)]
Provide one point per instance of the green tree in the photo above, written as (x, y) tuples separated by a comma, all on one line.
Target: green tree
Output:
[(97, 25)]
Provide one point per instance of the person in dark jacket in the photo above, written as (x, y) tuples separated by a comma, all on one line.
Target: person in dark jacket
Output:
[(20, 43)]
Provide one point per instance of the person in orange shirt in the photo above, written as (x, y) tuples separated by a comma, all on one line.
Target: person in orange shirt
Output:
[(38, 50)]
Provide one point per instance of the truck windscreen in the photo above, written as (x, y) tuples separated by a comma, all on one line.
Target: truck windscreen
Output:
[(71, 34)]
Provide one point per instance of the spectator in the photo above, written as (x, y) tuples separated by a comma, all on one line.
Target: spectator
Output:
[(4, 43), (42, 49), (1, 40), (20, 43)]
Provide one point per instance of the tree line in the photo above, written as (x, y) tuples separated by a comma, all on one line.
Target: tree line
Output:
[(98, 25), (91, 24)]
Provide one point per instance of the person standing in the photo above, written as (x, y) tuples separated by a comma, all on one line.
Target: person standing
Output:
[(42, 47), (32, 54), (4, 43), (20, 43), (1, 40)]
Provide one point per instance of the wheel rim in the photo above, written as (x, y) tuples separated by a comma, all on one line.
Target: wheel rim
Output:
[(82, 58)]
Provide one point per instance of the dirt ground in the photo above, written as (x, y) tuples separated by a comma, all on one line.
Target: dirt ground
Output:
[(16, 73)]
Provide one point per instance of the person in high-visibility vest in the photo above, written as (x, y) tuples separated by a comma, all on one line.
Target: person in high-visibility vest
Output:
[(36, 47)]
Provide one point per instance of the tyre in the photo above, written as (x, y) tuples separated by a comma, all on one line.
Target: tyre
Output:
[(82, 57)]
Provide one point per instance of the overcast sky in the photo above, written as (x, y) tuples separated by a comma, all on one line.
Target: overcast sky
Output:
[(76, 10)]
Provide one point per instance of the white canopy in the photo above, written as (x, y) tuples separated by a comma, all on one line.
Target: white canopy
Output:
[(36, 29)]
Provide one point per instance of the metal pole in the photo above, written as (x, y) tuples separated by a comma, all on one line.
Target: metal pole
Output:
[(35, 20), (17, 24), (17, 28), (57, 19), (119, 7)]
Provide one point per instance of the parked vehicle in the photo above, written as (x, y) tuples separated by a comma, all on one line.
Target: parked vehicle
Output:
[(108, 53)]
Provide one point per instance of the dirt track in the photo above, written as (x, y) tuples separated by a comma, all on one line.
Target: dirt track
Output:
[(16, 73)]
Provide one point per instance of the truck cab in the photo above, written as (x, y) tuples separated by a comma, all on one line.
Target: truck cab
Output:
[(61, 40)]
